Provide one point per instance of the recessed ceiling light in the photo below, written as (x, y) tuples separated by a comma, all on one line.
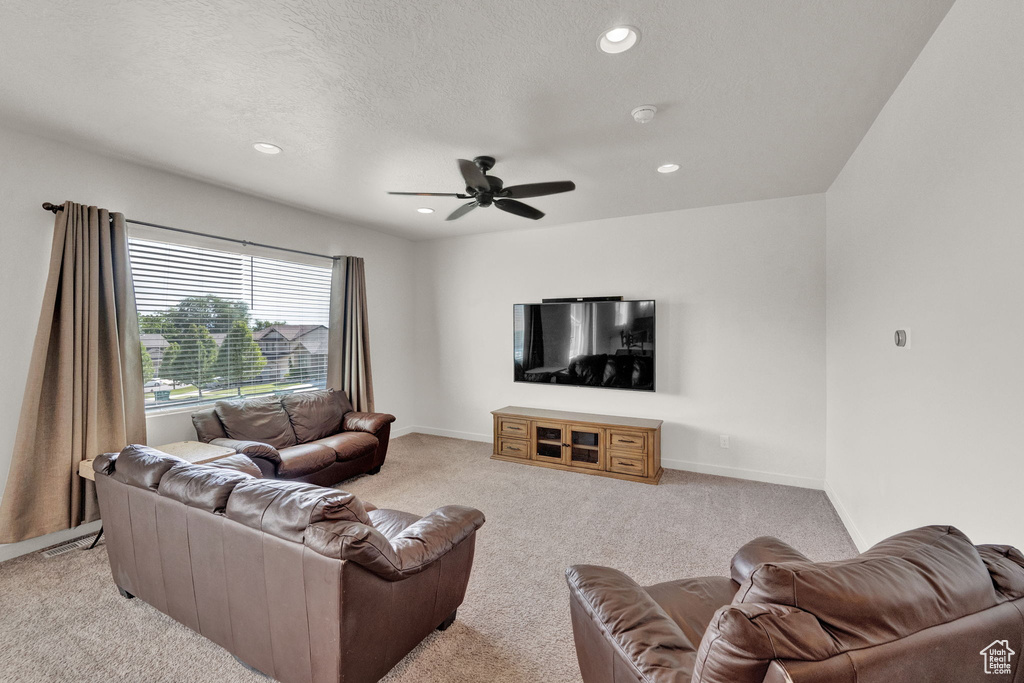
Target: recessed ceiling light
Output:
[(618, 39), (266, 148), (668, 168), (425, 209)]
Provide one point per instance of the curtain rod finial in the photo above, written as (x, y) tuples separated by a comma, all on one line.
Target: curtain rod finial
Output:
[(52, 207)]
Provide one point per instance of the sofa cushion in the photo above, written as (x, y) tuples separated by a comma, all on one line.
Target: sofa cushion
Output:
[(691, 603), (316, 414), (391, 522), (257, 419), (304, 458), (902, 585), (239, 463), (764, 549), (208, 425), (142, 466), (1005, 565), (285, 508), (201, 486), (742, 640), (252, 449), (350, 445)]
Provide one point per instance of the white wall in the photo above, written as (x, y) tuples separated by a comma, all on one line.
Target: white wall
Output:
[(740, 329), (34, 170), (926, 231)]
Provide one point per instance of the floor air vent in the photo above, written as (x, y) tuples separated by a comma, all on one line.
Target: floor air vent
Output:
[(83, 542)]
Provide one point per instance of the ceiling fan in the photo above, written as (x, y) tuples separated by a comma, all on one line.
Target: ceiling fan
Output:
[(485, 190)]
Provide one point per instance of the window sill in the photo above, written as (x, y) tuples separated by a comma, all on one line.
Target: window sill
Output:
[(171, 410)]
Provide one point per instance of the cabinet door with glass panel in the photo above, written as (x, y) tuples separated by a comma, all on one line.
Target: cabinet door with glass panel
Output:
[(585, 447), (548, 442)]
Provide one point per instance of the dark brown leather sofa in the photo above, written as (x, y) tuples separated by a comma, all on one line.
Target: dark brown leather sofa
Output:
[(303, 583), (312, 436), (920, 606)]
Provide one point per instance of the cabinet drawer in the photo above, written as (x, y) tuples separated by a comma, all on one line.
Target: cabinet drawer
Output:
[(519, 429), (623, 440), (627, 464), (514, 448)]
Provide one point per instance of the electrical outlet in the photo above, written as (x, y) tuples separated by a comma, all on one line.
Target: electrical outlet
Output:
[(723, 440)]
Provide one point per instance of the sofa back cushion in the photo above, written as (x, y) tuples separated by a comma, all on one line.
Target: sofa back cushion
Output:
[(741, 641), (285, 508), (257, 419), (316, 414), (201, 486), (208, 425), (142, 466), (902, 585)]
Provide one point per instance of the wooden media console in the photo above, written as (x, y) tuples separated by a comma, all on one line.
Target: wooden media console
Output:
[(620, 447)]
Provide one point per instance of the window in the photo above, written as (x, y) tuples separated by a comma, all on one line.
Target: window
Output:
[(218, 325)]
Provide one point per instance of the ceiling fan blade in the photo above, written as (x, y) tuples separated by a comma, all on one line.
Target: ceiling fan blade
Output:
[(461, 211), (428, 194), (473, 176), (539, 189), (518, 208)]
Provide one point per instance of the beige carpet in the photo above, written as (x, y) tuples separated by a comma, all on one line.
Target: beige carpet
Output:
[(62, 619)]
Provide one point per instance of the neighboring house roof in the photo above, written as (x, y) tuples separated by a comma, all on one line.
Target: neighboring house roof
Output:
[(154, 341), (158, 341), (314, 341), (289, 332)]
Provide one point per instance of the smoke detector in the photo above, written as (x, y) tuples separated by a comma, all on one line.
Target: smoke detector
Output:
[(644, 113)]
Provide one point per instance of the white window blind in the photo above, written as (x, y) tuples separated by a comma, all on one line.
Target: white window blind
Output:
[(218, 325)]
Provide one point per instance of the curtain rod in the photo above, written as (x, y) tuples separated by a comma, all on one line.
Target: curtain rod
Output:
[(57, 207)]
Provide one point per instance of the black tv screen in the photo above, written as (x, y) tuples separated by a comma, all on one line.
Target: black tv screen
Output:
[(606, 344)]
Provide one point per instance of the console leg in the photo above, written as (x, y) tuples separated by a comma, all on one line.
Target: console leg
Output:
[(125, 594), (375, 470), (448, 622)]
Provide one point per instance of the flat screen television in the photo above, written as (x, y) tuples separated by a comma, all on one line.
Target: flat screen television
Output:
[(608, 344)]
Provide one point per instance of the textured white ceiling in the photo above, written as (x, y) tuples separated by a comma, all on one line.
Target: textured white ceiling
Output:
[(755, 99)]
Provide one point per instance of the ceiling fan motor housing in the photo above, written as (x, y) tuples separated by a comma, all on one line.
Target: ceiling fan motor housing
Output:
[(487, 190)]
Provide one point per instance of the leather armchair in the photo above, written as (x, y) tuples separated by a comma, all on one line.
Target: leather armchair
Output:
[(920, 606), (300, 582), (312, 436)]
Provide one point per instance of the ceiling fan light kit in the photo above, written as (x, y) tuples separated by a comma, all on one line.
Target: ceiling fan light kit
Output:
[(486, 190)]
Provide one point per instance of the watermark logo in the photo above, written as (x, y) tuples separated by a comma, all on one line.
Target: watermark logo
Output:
[(997, 657)]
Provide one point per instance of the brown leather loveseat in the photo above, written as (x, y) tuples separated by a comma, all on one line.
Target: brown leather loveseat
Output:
[(312, 436), (925, 605), (304, 583)]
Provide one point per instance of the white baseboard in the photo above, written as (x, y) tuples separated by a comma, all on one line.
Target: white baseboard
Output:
[(450, 433), (741, 473), (11, 550), (402, 431), (844, 516)]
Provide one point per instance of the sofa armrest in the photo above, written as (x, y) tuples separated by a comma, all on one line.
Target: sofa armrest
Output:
[(610, 608), (253, 449), (762, 550), (408, 553), (371, 423)]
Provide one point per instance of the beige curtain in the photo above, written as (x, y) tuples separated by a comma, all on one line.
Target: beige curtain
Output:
[(84, 391), (348, 349)]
